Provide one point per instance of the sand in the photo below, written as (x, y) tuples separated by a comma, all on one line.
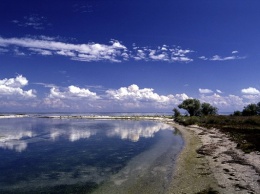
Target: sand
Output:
[(210, 161)]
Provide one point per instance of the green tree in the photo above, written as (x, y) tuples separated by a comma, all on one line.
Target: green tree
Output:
[(176, 113), (192, 106), (208, 109), (250, 110), (237, 113), (258, 108)]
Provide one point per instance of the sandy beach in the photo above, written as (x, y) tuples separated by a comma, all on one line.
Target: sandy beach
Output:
[(210, 161)]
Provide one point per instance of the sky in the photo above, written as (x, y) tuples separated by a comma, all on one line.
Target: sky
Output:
[(128, 56)]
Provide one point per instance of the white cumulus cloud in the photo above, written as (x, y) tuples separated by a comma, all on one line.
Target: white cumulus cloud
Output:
[(230, 102), (205, 91), (13, 87), (134, 93), (72, 92), (134, 97), (250, 90)]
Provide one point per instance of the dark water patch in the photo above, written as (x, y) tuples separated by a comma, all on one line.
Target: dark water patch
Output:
[(79, 188)]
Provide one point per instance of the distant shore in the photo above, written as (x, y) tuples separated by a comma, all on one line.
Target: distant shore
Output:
[(208, 163), (10, 116)]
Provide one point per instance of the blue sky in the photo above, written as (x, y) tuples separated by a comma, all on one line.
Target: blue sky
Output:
[(98, 55)]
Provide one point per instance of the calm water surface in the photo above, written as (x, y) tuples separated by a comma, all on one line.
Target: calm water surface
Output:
[(80, 156)]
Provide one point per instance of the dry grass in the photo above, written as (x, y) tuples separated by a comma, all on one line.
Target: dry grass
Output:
[(244, 130)]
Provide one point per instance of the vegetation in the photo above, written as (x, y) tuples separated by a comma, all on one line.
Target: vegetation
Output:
[(249, 110), (192, 106), (176, 113), (242, 126), (207, 109), (195, 108)]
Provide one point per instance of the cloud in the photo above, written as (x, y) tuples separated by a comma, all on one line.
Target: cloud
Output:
[(219, 58), (181, 59), (230, 102), (252, 95), (34, 21), (203, 58), (161, 53), (12, 88), (80, 52), (133, 92), (72, 92), (51, 103), (205, 91), (17, 52), (41, 51), (113, 52), (161, 57), (14, 97), (167, 53), (46, 85), (140, 55), (250, 90), (133, 97), (71, 98), (252, 98)]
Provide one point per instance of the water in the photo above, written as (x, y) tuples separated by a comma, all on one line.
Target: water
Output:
[(80, 156)]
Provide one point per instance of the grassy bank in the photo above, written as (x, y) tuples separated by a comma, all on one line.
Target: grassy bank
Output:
[(244, 130)]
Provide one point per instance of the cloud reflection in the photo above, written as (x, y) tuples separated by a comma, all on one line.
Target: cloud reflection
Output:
[(135, 130), (14, 140), (16, 136), (72, 134)]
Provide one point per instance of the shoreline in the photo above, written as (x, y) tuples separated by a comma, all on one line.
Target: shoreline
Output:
[(192, 173), (208, 163), (212, 163)]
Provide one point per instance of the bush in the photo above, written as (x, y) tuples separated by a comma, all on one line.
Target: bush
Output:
[(187, 120), (176, 113), (237, 113)]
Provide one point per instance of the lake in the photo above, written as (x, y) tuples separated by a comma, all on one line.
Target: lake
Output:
[(39, 155)]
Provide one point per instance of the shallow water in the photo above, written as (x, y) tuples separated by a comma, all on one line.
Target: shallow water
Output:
[(80, 156)]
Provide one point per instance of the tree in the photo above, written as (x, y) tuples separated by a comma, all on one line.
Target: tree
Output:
[(208, 109), (237, 113), (250, 110), (258, 108), (192, 106), (176, 112)]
